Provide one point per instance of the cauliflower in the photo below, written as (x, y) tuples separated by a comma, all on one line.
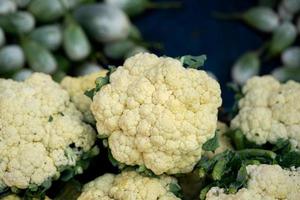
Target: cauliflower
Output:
[(129, 186), (76, 87), (266, 182), (157, 114), (11, 197), (15, 197), (224, 141), (41, 132), (269, 111)]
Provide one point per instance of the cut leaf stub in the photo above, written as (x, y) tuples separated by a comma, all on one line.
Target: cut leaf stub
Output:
[(194, 62)]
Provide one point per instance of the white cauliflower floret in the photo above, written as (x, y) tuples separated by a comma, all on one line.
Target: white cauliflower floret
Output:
[(128, 186), (15, 197), (76, 87), (157, 113), (11, 197), (38, 127), (224, 141), (269, 111), (266, 182)]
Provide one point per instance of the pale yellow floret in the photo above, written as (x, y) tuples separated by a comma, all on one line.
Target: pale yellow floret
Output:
[(157, 113), (38, 123), (128, 186), (76, 87), (15, 197), (266, 182), (224, 141), (269, 111), (11, 197)]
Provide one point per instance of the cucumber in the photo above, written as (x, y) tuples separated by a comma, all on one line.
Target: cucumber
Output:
[(7, 6), (22, 74), (75, 42), (102, 22), (284, 36), (50, 36), (261, 18), (38, 57), (2, 37), (46, 10), (118, 49), (11, 58), (22, 3), (17, 23)]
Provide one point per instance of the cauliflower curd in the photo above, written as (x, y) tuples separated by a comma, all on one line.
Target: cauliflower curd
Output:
[(269, 111), (76, 86), (41, 132), (266, 182), (128, 186), (157, 113)]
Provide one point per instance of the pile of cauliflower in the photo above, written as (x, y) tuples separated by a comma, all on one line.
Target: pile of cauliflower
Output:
[(157, 119)]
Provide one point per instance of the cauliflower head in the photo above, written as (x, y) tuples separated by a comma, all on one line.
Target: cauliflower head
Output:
[(41, 131), (128, 186), (76, 87), (224, 141), (266, 182), (15, 197), (11, 197), (157, 114), (269, 111)]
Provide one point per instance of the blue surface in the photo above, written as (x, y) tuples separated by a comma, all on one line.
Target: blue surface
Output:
[(193, 30)]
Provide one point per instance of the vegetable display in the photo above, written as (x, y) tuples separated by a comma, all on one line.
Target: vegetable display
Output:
[(76, 88), (269, 111), (265, 182), (43, 137), (277, 20), (61, 37), (130, 185), (148, 130)]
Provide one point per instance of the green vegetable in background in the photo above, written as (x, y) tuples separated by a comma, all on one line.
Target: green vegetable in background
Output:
[(261, 18), (134, 33), (292, 6), (38, 57), (282, 38), (65, 28), (291, 57), (284, 74), (2, 37), (22, 74), (135, 50), (245, 67), (102, 22), (284, 14), (118, 49), (7, 6), (88, 68), (18, 22), (268, 3), (50, 36), (46, 10), (11, 58), (22, 3), (71, 4), (135, 7), (298, 24), (75, 42)]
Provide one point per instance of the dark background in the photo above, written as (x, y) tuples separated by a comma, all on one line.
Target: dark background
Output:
[(193, 30)]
